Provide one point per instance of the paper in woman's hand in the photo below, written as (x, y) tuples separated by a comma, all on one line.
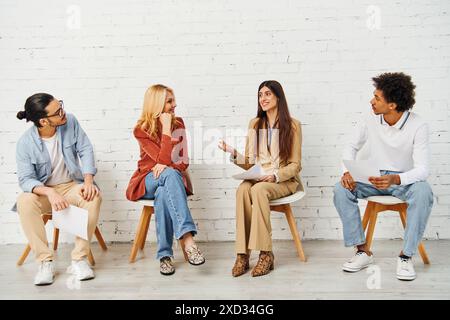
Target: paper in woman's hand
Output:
[(254, 173)]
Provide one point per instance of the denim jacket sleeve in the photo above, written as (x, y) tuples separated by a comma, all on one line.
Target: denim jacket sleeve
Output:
[(84, 149), (26, 172)]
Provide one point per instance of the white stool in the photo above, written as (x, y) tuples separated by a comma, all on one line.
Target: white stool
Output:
[(142, 230), (378, 204), (284, 205)]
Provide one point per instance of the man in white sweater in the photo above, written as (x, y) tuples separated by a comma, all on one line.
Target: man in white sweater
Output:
[(398, 141)]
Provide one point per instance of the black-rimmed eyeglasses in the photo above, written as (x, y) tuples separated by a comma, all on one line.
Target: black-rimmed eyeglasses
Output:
[(59, 112)]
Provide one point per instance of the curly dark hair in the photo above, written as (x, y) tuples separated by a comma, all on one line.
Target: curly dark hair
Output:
[(397, 87)]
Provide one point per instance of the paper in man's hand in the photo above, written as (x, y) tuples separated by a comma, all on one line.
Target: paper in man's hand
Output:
[(73, 220), (361, 170)]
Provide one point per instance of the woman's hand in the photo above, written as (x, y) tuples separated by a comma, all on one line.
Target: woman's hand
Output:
[(166, 121), (268, 178), (226, 148), (158, 169)]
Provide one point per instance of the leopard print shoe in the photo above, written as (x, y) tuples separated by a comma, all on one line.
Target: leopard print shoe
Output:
[(264, 265), (166, 266), (241, 265), (195, 256)]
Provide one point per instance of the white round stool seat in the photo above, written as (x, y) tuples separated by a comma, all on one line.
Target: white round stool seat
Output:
[(386, 200), (149, 203), (289, 199)]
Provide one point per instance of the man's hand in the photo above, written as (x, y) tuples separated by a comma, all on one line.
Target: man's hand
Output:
[(89, 190), (347, 181), (158, 169), (57, 201), (385, 181), (268, 178)]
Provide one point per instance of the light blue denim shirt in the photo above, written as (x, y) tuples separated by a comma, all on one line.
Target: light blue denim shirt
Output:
[(33, 160)]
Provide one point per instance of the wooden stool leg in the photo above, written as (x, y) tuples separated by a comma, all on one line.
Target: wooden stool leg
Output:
[(369, 208), (423, 254), (27, 250), (100, 239), (145, 215), (55, 238), (147, 225), (371, 228), (402, 218), (24, 255), (293, 226), (91, 258), (422, 251)]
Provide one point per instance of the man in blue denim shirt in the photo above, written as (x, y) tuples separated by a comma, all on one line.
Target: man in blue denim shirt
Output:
[(398, 141), (48, 159)]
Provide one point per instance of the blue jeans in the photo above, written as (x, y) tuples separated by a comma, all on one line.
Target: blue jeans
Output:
[(418, 196), (171, 209)]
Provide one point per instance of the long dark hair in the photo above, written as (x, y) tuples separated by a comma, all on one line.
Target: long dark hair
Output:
[(35, 108), (284, 119)]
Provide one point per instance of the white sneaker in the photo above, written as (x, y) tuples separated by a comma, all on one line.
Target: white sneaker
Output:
[(405, 269), (45, 274), (358, 262), (81, 270)]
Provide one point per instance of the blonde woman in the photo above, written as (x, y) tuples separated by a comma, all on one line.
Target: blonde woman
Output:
[(160, 175), (274, 142)]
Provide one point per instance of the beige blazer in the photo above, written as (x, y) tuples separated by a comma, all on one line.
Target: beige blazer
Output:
[(269, 158)]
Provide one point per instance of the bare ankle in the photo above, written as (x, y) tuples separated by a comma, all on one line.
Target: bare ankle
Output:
[(363, 247), (188, 240)]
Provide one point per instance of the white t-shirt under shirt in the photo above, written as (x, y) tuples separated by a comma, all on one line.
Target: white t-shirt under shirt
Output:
[(59, 174)]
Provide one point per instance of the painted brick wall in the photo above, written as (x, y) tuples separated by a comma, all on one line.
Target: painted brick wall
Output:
[(100, 56)]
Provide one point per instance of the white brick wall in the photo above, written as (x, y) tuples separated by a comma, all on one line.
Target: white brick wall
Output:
[(214, 54)]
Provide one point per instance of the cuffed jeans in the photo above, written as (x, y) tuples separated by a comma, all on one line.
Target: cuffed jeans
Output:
[(171, 209), (418, 196)]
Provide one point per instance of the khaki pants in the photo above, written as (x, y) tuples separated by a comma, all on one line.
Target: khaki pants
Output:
[(30, 207), (253, 227)]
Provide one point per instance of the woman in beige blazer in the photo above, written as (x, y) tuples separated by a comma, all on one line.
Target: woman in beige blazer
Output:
[(274, 141)]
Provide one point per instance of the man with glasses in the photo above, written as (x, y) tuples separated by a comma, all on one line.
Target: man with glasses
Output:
[(48, 158)]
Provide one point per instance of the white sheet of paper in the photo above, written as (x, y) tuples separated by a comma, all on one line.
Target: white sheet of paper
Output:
[(361, 170), (73, 220), (253, 173)]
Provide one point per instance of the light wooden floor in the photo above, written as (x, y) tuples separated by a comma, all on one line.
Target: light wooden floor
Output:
[(319, 278)]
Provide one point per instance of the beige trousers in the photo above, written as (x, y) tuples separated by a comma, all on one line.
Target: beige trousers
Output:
[(253, 227), (30, 207)]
